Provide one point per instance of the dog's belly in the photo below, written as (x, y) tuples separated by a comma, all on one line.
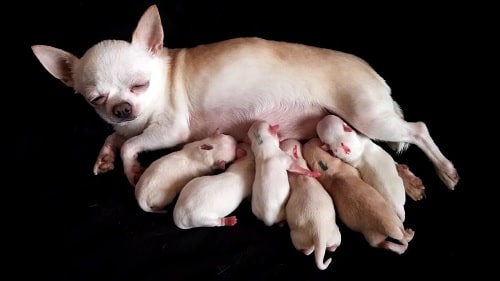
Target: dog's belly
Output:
[(298, 122)]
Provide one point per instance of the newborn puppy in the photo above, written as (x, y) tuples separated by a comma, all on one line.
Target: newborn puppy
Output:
[(270, 189), (376, 166), (310, 213), (206, 201), (162, 181), (358, 204)]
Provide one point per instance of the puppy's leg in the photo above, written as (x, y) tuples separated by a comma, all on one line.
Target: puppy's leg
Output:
[(153, 138), (392, 246), (414, 186), (106, 158), (228, 221), (386, 125)]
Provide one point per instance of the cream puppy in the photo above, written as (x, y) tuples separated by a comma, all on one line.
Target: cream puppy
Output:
[(270, 189), (155, 97), (165, 177), (310, 213), (207, 200), (375, 165), (358, 204)]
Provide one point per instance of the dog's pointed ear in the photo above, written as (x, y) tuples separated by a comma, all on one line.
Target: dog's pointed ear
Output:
[(57, 62), (149, 31)]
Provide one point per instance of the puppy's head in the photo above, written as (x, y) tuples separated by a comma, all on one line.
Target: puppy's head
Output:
[(292, 147), (216, 150), (120, 79), (261, 132), (342, 140)]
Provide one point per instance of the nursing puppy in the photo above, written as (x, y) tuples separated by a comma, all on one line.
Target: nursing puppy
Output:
[(157, 98), (165, 177), (270, 189), (374, 164), (310, 213), (358, 204), (206, 201)]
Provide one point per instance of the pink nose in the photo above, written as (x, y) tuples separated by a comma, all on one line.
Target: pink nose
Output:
[(346, 149)]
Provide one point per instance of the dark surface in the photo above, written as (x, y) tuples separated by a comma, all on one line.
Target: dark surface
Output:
[(77, 226)]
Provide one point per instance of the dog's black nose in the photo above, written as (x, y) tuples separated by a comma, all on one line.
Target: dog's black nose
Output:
[(123, 110)]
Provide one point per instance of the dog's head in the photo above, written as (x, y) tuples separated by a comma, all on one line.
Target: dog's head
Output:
[(119, 79)]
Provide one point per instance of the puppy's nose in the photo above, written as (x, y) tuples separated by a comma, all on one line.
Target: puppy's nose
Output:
[(123, 110)]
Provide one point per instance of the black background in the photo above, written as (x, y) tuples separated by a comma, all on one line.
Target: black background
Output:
[(77, 226)]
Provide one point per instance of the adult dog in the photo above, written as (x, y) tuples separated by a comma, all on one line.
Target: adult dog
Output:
[(157, 97)]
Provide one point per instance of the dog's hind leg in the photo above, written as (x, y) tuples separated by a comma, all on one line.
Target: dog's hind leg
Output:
[(387, 125)]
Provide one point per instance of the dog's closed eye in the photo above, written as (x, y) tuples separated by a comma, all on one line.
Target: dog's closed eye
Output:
[(97, 100), (139, 87)]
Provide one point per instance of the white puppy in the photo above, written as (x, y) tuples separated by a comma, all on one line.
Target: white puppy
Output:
[(375, 165), (206, 201), (157, 97), (270, 188), (358, 204), (165, 177), (310, 213)]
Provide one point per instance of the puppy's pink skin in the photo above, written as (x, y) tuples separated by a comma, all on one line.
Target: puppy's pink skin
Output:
[(270, 189), (157, 97), (164, 179), (310, 212), (357, 204), (375, 165), (206, 201)]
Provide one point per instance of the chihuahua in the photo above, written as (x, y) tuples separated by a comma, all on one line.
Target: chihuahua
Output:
[(374, 164), (359, 206), (270, 189), (156, 97), (207, 201), (310, 213), (164, 179)]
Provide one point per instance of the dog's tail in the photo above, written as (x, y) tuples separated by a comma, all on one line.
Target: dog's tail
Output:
[(319, 251), (398, 147)]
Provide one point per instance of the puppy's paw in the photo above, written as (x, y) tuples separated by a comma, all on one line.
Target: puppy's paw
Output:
[(414, 186), (134, 173), (105, 161)]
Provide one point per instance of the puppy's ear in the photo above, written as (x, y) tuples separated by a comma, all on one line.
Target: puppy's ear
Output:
[(149, 32), (57, 62)]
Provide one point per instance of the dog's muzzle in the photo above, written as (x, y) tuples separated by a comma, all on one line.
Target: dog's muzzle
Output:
[(124, 111)]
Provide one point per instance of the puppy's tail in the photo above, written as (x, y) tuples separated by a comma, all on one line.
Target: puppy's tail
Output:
[(319, 252), (398, 147)]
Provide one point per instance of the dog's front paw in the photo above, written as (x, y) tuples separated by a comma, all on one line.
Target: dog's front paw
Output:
[(414, 186), (105, 160)]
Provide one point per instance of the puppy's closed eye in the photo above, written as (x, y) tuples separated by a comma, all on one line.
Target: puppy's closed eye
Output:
[(139, 87)]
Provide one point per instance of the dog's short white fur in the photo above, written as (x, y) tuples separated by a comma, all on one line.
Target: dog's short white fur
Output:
[(164, 179), (207, 201), (270, 188), (358, 205), (310, 213), (375, 165), (157, 97)]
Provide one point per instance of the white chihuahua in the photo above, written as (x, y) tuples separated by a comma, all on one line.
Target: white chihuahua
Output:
[(157, 97)]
